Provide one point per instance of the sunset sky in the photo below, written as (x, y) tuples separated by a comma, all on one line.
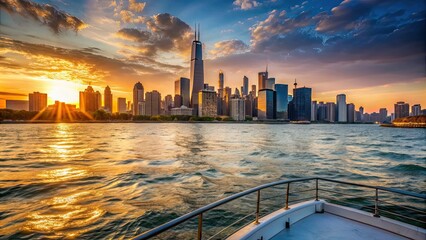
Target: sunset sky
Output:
[(372, 50)]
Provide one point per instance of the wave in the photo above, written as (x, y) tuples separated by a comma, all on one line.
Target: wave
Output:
[(408, 168)]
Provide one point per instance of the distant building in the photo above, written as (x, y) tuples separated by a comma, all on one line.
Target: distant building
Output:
[(383, 114), (350, 113), (181, 111), (108, 99), (17, 105), (270, 83), (182, 91), (121, 105), (253, 90), (207, 103), (321, 112), (331, 112), (221, 83), (37, 101), (341, 110), (90, 101), (141, 108), (261, 81), (267, 104), (168, 103), (153, 103), (402, 109), (282, 100), (138, 96), (416, 110), (361, 113), (245, 86), (249, 101), (237, 109), (301, 104), (314, 109)]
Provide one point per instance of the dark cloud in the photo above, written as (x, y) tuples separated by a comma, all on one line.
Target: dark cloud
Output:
[(44, 13), (227, 47), (11, 94), (164, 33)]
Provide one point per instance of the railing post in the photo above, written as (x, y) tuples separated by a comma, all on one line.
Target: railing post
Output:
[(257, 207), (286, 196), (316, 190), (376, 204), (200, 226)]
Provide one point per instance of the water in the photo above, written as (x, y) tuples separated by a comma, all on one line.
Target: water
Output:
[(96, 181)]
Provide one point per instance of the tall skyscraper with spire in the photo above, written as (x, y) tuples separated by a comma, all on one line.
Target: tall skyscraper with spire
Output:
[(197, 69), (108, 99)]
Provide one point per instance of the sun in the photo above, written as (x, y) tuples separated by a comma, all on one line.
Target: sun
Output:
[(63, 91)]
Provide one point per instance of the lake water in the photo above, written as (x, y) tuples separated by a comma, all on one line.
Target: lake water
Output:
[(95, 181)]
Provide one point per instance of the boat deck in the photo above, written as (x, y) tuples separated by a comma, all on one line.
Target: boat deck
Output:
[(329, 226)]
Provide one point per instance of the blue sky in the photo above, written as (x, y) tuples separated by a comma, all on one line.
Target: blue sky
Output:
[(371, 50)]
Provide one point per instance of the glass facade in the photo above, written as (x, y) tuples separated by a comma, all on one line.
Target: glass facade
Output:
[(282, 100), (267, 104), (302, 103)]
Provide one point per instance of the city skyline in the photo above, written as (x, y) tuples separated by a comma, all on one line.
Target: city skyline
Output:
[(47, 56)]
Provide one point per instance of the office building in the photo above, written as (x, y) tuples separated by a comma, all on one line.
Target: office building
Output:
[(416, 110), (314, 109), (17, 105), (181, 111), (350, 113), (245, 86), (237, 109), (138, 96), (168, 104), (261, 81), (401, 110), (37, 101), (221, 83), (282, 100), (182, 91), (108, 99), (383, 115), (321, 112), (331, 112), (121, 105), (152, 103), (301, 104), (341, 109), (197, 69), (90, 101), (267, 104), (207, 103), (270, 83)]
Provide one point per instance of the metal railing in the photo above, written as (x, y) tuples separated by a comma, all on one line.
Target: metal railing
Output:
[(376, 209)]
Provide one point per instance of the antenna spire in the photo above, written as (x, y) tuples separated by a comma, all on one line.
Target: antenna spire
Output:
[(295, 83), (198, 32), (195, 33)]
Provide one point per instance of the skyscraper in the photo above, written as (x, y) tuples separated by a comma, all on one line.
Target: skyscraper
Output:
[(350, 113), (267, 104), (282, 101), (121, 105), (207, 106), (301, 104), (153, 103), (342, 110), (197, 69), (401, 110), (383, 114), (321, 112), (245, 86), (415, 110), (270, 83), (90, 101), (314, 110), (221, 84), (108, 99), (168, 103), (37, 101), (182, 90), (138, 96), (261, 81), (331, 112), (237, 109)]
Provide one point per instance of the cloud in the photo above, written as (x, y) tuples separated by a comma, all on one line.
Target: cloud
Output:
[(129, 17), (246, 4), (46, 14), (229, 47), (164, 33), (12, 94), (136, 6)]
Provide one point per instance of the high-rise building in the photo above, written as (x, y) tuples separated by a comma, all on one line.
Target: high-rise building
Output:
[(108, 99), (248, 103), (182, 90), (253, 89), (361, 113), (321, 112), (301, 104), (314, 109), (90, 101), (383, 114), (350, 113), (331, 112), (267, 104), (197, 69), (138, 96), (245, 86), (270, 83), (416, 110), (121, 105), (37, 101), (342, 110), (237, 109), (402, 109), (207, 103), (282, 100), (221, 83), (168, 104), (153, 103), (261, 81)]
